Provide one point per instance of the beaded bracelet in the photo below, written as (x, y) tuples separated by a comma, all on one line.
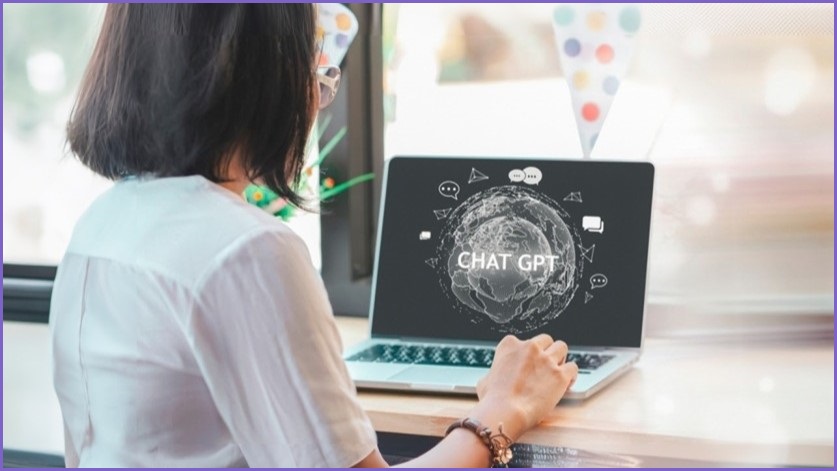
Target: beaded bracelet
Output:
[(499, 444)]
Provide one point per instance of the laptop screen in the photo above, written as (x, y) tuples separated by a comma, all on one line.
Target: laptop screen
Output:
[(475, 249)]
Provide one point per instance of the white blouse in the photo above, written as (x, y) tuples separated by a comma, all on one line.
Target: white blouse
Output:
[(190, 329)]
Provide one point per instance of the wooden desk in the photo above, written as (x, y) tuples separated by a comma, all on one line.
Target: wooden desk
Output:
[(770, 404)]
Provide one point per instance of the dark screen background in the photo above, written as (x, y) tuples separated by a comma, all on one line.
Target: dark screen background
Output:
[(408, 299)]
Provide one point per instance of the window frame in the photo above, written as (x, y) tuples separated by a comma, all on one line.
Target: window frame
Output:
[(349, 223), (27, 290)]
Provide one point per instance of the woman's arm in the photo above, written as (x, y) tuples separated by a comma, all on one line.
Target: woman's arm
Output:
[(525, 382), (267, 346), (460, 449)]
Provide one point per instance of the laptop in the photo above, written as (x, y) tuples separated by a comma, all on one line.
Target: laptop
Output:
[(473, 249)]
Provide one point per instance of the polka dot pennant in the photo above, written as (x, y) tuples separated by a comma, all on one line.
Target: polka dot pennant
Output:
[(342, 40), (604, 53), (596, 20), (590, 112), (595, 43), (581, 80), (629, 19), (610, 85), (572, 47), (564, 15), (344, 21), (337, 27)]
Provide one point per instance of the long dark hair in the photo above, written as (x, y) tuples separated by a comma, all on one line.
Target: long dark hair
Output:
[(178, 89)]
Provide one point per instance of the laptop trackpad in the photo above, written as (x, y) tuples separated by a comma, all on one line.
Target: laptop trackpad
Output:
[(363, 371), (444, 375)]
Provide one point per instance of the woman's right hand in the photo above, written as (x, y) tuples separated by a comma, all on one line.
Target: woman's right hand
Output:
[(526, 381)]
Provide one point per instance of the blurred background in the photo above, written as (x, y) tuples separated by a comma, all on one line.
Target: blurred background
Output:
[(734, 104)]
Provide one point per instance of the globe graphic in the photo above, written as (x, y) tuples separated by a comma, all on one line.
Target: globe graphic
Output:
[(510, 258)]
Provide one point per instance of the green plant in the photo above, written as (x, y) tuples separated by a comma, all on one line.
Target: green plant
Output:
[(327, 187)]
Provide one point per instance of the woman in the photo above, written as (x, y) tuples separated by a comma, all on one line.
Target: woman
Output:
[(190, 328)]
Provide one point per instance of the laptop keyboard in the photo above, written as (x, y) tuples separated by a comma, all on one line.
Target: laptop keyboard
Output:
[(427, 355), (588, 361), (455, 356)]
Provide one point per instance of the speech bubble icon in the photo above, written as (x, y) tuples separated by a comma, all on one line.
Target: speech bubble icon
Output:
[(533, 175), (516, 175), (449, 189), (592, 224), (598, 281)]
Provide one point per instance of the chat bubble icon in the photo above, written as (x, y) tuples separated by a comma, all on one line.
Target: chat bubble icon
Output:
[(449, 189), (598, 281), (533, 175), (592, 224), (516, 175)]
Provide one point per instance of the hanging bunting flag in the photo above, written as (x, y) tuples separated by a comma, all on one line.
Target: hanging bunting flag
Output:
[(595, 44), (336, 28)]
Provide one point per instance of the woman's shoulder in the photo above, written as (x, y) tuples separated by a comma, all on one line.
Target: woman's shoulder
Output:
[(177, 226), (217, 227)]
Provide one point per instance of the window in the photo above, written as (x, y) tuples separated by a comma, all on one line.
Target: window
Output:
[(45, 51), (45, 189), (734, 105)]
